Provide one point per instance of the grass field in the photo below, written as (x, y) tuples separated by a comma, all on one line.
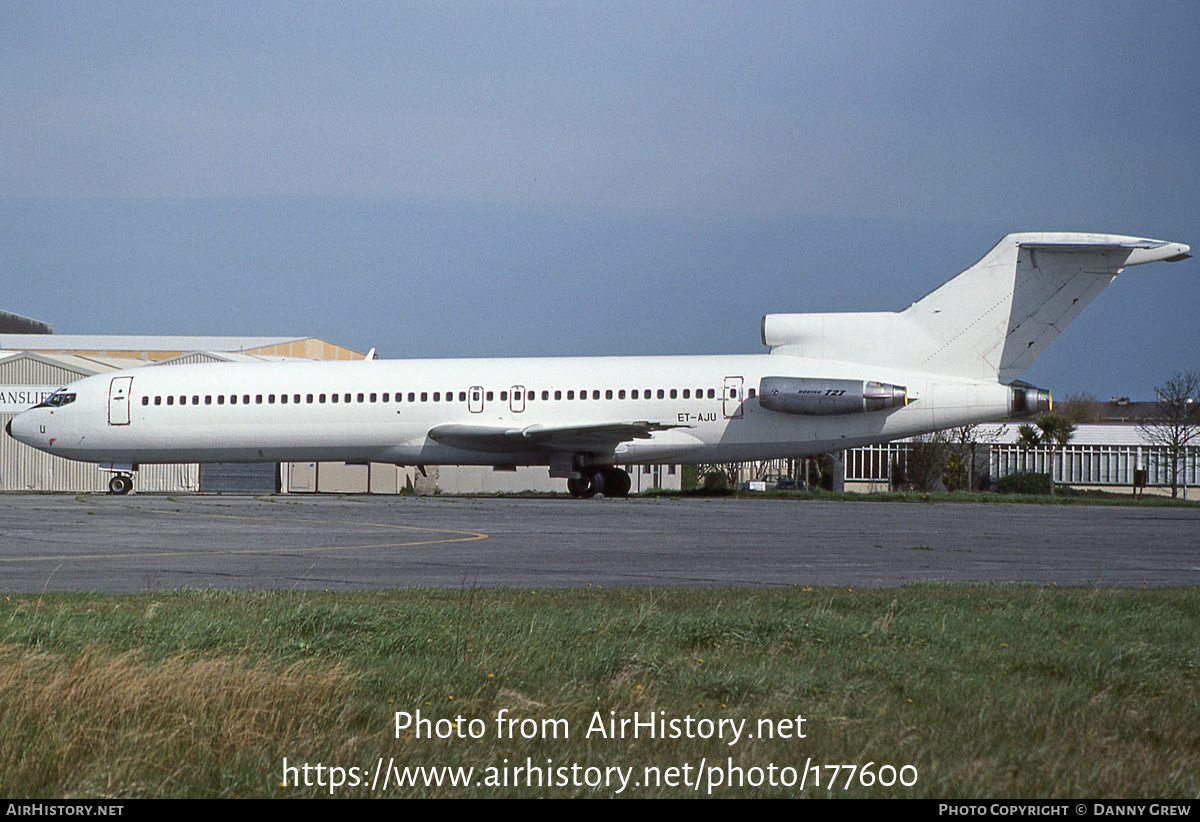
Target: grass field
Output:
[(982, 691)]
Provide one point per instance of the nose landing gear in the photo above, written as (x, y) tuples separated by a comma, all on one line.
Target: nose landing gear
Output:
[(120, 484)]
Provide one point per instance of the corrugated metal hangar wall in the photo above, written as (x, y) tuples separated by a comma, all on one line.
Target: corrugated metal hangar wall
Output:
[(26, 469)]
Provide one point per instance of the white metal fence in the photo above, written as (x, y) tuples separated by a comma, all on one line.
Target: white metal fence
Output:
[(1075, 464)]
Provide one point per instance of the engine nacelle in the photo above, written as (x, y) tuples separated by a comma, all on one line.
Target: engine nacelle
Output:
[(812, 395), (1025, 400)]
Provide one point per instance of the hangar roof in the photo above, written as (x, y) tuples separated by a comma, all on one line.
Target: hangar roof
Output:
[(14, 363), (157, 348)]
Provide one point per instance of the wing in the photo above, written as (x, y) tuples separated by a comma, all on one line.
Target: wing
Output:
[(596, 437)]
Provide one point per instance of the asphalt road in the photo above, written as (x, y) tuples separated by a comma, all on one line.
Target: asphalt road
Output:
[(136, 543)]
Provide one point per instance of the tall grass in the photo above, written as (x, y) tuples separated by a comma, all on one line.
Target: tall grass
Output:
[(988, 691)]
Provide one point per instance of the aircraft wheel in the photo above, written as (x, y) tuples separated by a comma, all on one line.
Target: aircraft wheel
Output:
[(120, 484), (617, 482), (600, 484), (580, 487)]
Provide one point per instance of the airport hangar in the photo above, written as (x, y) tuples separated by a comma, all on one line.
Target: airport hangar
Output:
[(34, 362)]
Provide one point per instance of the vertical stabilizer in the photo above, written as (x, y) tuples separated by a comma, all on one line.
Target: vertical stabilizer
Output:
[(991, 321)]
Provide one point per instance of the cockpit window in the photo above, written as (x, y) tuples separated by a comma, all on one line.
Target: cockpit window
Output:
[(57, 400)]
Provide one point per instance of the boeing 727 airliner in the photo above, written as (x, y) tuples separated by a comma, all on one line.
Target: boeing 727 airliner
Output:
[(830, 381)]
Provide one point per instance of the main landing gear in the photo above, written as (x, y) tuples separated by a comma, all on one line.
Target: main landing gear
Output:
[(120, 484), (608, 481)]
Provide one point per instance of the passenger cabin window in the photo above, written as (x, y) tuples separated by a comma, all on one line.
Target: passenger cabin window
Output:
[(660, 394), (751, 392), (170, 400), (145, 400), (687, 393), (270, 399), (545, 395), (208, 399), (712, 393), (245, 399), (360, 397), (220, 399), (621, 394), (333, 398), (674, 394), (558, 394)]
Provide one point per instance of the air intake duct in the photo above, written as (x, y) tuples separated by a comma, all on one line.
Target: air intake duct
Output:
[(816, 396), (1025, 400)]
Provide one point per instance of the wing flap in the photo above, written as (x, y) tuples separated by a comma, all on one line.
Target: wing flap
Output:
[(593, 437)]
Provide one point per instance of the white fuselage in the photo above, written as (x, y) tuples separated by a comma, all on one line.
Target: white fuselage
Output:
[(832, 381), (385, 409)]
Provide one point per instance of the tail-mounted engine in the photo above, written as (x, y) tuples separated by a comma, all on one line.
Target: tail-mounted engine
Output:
[(1025, 400), (811, 395)]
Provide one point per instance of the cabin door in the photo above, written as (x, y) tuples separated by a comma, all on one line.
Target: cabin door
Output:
[(516, 399), (733, 397), (475, 399), (118, 400)]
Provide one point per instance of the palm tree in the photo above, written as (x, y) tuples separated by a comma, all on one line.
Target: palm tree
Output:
[(1027, 438), (1056, 432)]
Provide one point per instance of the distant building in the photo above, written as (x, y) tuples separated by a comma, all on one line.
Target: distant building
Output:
[(16, 324), (1102, 455), (152, 348)]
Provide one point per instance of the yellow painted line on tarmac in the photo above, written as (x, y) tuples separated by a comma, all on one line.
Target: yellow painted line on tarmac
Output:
[(458, 536)]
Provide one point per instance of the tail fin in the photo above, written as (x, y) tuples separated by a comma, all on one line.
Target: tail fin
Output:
[(991, 321)]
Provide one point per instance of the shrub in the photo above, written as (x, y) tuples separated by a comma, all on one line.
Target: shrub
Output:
[(1029, 483)]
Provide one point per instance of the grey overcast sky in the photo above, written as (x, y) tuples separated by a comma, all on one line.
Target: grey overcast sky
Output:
[(490, 178)]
